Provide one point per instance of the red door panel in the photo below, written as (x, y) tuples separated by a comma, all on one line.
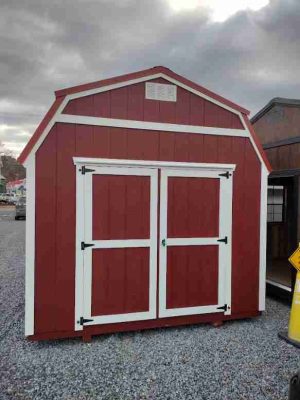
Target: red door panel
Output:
[(120, 281), (121, 207), (193, 207), (192, 278)]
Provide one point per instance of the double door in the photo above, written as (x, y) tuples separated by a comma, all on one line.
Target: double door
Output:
[(152, 243)]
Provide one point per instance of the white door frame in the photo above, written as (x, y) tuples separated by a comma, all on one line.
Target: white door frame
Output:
[(152, 168), (224, 256), (85, 200)]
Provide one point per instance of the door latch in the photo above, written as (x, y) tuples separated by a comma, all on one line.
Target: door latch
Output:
[(163, 242)]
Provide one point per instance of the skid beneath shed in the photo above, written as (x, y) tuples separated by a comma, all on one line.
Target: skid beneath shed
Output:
[(95, 330)]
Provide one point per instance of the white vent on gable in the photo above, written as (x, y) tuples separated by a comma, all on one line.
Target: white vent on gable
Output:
[(161, 91)]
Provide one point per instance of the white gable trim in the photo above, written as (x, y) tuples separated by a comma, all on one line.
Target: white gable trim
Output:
[(152, 126)]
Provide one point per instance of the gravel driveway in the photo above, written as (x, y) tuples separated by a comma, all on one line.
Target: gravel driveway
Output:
[(241, 360)]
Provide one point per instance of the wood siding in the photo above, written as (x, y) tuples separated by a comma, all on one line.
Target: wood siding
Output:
[(280, 122), (284, 157), (56, 201), (130, 103)]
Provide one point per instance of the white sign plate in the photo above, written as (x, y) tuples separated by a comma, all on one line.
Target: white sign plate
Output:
[(161, 91)]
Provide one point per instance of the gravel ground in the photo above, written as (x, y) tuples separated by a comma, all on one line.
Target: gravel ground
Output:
[(241, 360)]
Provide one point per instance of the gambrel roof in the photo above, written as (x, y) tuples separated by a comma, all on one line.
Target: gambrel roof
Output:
[(64, 95)]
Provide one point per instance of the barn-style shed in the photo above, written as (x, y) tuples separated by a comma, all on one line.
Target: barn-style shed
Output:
[(146, 208)]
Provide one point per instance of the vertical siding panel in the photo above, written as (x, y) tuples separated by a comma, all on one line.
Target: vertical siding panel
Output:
[(70, 108), (196, 110), (151, 110), (102, 105), (118, 143), (182, 106), (136, 96), (236, 122), (196, 147), (142, 145), (45, 257), (167, 112), (85, 106), (166, 146), (84, 140), (224, 149), (101, 141), (65, 228), (239, 224), (224, 117), (250, 272), (181, 147), (210, 148), (118, 103)]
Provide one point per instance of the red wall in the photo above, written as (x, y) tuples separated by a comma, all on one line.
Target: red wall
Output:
[(129, 103), (55, 207)]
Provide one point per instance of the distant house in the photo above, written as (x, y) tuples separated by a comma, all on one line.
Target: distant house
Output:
[(278, 127)]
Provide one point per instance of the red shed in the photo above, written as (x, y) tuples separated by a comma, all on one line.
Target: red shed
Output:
[(146, 208)]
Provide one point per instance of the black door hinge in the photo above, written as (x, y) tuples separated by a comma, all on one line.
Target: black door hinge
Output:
[(226, 174), (84, 320), (84, 245), (225, 240), (225, 307), (84, 170)]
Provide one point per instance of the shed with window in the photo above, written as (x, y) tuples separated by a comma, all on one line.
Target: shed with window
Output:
[(147, 207)]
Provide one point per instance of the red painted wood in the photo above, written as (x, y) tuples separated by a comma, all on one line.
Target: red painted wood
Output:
[(45, 253), (118, 103), (121, 207), (142, 325), (197, 110), (101, 141), (101, 104), (193, 207), (135, 104), (65, 228), (147, 72), (130, 103), (120, 281), (192, 277), (183, 106), (119, 143)]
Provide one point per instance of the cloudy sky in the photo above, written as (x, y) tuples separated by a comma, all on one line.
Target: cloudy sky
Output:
[(245, 50)]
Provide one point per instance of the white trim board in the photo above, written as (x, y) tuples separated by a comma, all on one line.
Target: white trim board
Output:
[(155, 164), (30, 246), (151, 126), (263, 239)]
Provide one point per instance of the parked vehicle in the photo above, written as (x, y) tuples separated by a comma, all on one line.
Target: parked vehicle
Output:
[(21, 208), (6, 198)]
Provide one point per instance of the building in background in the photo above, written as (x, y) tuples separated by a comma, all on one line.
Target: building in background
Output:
[(2, 178), (278, 127), (17, 187)]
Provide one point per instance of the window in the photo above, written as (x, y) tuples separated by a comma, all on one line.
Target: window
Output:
[(276, 202)]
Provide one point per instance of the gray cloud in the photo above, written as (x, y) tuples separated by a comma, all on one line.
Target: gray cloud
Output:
[(44, 46)]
